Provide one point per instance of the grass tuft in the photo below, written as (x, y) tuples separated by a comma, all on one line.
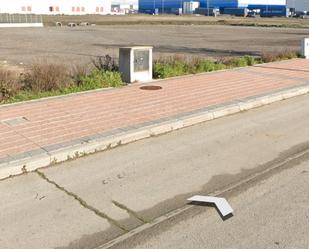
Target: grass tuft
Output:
[(101, 79), (9, 84), (181, 65), (278, 56), (42, 77)]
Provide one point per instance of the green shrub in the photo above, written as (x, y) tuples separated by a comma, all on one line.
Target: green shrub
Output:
[(100, 79), (236, 62), (78, 72), (205, 66), (250, 60), (161, 70), (171, 66), (175, 66), (219, 66)]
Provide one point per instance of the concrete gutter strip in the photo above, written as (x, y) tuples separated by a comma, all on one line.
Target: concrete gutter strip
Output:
[(32, 160), (21, 25)]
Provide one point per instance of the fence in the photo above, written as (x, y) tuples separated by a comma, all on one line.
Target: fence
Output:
[(20, 18)]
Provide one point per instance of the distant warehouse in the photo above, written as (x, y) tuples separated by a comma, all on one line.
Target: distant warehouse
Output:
[(298, 5), (169, 6), (250, 4), (160, 6), (54, 7)]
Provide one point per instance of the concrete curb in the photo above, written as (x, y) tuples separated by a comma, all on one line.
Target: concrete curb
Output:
[(21, 25), (32, 160)]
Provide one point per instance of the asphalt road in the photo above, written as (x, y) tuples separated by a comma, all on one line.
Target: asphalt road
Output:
[(272, 214), (90, 201)]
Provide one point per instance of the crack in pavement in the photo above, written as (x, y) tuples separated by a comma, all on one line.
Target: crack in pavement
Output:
[(129, 211), (292, 159), (82, 202)]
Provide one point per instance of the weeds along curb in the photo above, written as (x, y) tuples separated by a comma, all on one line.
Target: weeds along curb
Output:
[(135, 84), (34, 78), (54, 154)]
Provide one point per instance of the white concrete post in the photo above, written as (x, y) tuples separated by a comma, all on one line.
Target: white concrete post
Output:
[(305, 48)]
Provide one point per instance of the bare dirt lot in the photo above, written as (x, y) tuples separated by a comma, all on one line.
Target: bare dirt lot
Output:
[(178, 20), (80, 44)]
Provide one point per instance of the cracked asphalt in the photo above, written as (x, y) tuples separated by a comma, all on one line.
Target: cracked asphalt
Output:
[(90, 201), (274, 213)]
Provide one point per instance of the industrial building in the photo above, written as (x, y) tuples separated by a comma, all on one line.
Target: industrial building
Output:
[(250, 4), (125, 4), (81, 7), (298, 5), (160, 6), (55, 7), (169, 6)]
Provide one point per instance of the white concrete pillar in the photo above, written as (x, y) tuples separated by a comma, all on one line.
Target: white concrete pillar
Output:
[(305, 48)]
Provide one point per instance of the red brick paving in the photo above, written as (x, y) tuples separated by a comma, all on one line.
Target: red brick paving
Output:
[(58, 120)]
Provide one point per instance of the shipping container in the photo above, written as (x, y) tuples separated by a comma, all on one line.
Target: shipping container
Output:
[(284, 12), (207, 11), (235, 11), (176, 11), (219, 3)]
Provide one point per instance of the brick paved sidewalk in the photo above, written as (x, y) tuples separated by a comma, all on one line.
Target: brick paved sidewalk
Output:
[(38, 126)]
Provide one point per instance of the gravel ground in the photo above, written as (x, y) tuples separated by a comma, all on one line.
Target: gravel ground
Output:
[(80, 44)]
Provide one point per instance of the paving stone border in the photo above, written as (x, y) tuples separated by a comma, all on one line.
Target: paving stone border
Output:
[(52, 154)]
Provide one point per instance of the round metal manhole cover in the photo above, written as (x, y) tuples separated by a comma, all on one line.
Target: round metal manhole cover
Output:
[(150, 88)]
